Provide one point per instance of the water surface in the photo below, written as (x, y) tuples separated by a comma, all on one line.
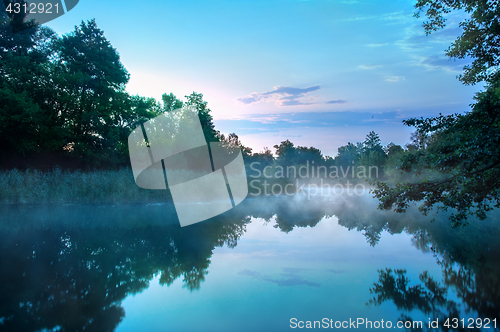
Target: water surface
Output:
[(272, 259)]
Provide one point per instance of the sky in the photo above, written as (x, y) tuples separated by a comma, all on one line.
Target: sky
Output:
[(317, 72)]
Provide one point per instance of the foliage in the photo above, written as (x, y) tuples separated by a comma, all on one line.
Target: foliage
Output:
[(232, 141), (75, 277), (458, 169), (206, 119), (285, 152), (454, 160), (89, 84), (265, 157), (396, 288), (479, 39), (288, 154), (75, 187), (24, 62), (63, 100), (372, 152), (63, 97), (348, 154), (393, 150)]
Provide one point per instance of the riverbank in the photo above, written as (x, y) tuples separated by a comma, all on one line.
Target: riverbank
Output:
[(75, 187), (33, 187)]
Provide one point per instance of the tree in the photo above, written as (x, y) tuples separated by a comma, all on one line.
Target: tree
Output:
[(311, 154), (458, 165), (264, 158), (393, 150), (28, 117), (232, 141), (372, 143), (372, 152), (136, 111), (170, 102), (206, 119), (479, 39), (419, 140), (62, 99), (394, 153), (91, 82), (348, 155), (285, 153), (459, 168)]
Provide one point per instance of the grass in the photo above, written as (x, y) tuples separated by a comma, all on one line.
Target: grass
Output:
[(101, 187), (75, 187)]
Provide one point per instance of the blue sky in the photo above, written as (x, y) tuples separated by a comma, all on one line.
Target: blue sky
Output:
[(318, 72)]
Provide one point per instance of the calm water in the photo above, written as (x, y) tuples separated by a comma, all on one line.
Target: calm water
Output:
[(255, 268)]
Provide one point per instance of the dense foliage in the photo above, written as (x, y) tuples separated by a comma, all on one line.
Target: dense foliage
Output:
[(479, 39), (456, 161), (63, 100)]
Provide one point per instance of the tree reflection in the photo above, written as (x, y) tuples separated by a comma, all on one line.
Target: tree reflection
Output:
[(468, 258), (430, 296), (74, 278)]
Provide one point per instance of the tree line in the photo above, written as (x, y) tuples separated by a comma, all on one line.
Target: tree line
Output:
[(369, 153), (63, 100), (63, 103)]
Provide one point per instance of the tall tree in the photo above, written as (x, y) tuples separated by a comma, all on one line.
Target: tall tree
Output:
[(263, 159), (25, 95), (348, 154), (170, 102), (232, 141), (91, 82), (206, 119), (373, 153), (311, 154), (286, 153)]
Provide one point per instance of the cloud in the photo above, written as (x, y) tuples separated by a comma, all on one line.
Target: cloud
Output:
[(248, 100), (293, 103), (291, 278), (395, 78), (377, 45), (253, 123), (340, 101), (281, 96), (369, 67), (415, 38), (443, 63), (398, 17), (291, 91), (389, 18)]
